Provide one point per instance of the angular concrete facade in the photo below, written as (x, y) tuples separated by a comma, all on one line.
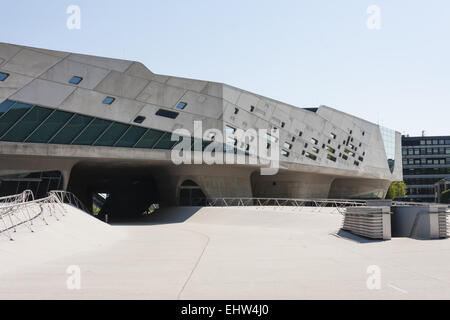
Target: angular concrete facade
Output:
[(50, 124)]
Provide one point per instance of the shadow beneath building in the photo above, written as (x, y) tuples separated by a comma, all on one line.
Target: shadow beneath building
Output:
[(162, 216), (353, 237)]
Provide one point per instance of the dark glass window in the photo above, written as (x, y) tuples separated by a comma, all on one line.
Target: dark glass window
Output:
[(149, 139), (75, 80), (139, 119), (5, 106), (3, 76), (109, 100), (110, 137), (15, 112), (167, 114), (92, 132), (27, 125), (181, 105), (72, 129), (131, 137), (50, 127), (165, 142)]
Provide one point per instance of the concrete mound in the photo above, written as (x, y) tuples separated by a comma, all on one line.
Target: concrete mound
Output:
[(66, 235)]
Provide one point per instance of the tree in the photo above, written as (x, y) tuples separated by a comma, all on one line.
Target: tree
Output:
[(445, 196), (396, 190)]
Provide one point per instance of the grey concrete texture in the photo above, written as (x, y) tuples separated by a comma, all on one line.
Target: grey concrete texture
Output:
[(40, 76), (219, 253)]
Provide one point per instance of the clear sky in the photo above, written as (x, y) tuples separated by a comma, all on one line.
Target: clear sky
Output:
[(305, 53)]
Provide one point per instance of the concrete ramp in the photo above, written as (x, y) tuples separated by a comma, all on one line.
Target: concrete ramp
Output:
[(54, 238)]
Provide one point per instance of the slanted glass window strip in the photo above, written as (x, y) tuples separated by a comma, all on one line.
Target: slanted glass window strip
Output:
[(50, 127), (5, 106), (72, 129), (149, 139), (110, 137), (15, 112), (131, 137), (165, 142), (27, 125), (92, 132)]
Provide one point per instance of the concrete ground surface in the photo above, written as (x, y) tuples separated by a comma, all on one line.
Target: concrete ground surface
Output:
[(218, 253)]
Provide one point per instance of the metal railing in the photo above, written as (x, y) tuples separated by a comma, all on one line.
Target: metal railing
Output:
[(24, 212), (278, 202), (25, 196), (70, 199)]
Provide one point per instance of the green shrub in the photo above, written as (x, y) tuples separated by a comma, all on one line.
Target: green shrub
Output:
[(445, 196), (396, 190)]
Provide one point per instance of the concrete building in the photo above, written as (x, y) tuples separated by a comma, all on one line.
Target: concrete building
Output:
[(98, 125), (426, 160)]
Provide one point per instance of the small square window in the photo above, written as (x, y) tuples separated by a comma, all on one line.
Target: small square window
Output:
[(109, 100), (284, 153), (75, 80), (3, 76), (181, 105), (287, 146), (139, 119)]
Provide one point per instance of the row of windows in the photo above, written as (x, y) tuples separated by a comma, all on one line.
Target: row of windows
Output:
[(424, 171), (419, 191), (434, 141), (422, 142), (429, 181), (424, 161), (424, 151)]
